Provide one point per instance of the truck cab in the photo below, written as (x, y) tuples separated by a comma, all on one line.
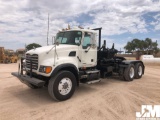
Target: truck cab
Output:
[(74, 58)]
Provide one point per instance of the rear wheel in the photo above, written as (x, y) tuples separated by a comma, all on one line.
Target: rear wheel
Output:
[(9, 61), (62, 86), (138, 70), (129, 73)]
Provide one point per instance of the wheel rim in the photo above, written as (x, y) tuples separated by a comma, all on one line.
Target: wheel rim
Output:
[(140, 70), (65, 86), (131, 72)]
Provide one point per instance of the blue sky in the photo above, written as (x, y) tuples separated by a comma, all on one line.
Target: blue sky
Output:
[(25, 21)]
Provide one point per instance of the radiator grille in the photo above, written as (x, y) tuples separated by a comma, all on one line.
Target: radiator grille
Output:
[(34, 59)]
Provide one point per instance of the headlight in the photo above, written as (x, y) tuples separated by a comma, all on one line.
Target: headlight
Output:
[(45, 69)]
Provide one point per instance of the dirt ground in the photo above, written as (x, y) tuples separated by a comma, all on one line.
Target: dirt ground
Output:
[(111, 99)]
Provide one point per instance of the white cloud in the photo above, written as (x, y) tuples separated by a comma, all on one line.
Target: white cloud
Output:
[(25, 21), (157, 27), (156, 23)]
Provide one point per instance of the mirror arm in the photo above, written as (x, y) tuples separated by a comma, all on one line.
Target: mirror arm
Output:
[(88, 49)]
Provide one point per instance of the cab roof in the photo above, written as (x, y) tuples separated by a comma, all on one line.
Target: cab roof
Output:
[(78, 29)]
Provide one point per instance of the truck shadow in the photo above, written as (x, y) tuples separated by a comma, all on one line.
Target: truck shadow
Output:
[(116, 78), (31, 97), (39, 97)]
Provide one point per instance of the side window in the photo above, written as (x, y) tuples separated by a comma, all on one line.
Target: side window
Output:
[(86, 41), (93, 40), (78, 38)]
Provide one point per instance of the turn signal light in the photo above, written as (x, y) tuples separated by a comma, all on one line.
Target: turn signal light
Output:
[(48, 69)]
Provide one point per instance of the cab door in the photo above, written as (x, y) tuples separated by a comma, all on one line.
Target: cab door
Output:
[(89, 50)]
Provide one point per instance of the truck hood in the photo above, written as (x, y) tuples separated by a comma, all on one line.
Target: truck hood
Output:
[(60, 47)]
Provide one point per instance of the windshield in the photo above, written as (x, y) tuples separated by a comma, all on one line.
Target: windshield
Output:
[(69, 37)]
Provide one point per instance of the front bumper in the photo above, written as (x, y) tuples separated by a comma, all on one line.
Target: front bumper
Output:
[(27, 79)]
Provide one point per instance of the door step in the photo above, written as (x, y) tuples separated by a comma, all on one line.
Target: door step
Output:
[(92, 71), (93, 81)]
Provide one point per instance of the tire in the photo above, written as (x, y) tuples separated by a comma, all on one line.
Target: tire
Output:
[(139, 70), (9, 61), (129, 73), (6, 61), (56, 86), (15, 61)]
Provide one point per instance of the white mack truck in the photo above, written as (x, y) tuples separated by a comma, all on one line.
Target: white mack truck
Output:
[(74, 58)]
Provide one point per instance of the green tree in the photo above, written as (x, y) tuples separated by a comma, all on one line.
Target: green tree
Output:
[(32, 46), (147, 46)]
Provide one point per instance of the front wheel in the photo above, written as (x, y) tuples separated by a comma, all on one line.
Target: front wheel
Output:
[(62, 86)]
